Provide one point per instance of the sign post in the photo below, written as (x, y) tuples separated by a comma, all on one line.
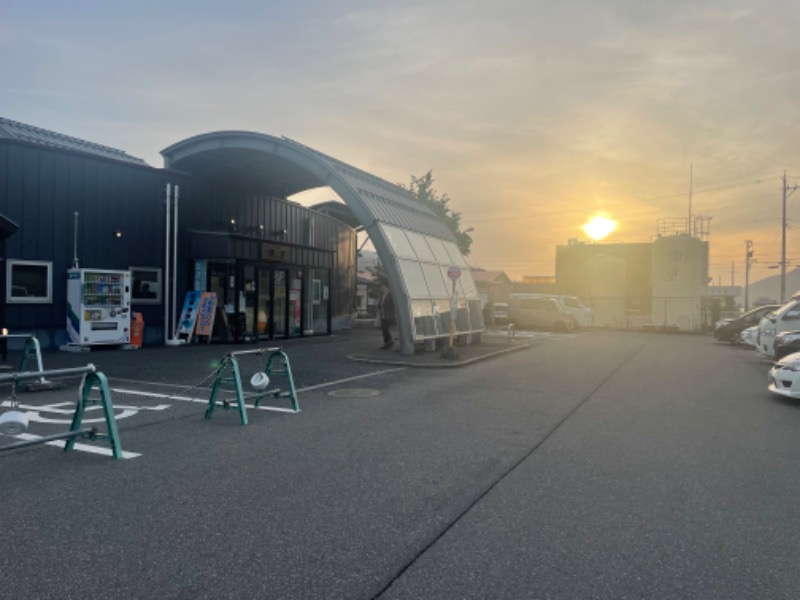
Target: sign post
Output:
[(454, 273)]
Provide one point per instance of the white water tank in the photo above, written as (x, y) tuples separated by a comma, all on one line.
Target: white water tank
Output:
[(680, 277)]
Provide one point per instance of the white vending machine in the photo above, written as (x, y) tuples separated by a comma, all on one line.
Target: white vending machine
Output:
[(98, 307)]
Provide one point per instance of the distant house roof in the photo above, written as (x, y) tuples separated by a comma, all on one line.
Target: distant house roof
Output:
[(339, 211), (12, 130), (481, 276)]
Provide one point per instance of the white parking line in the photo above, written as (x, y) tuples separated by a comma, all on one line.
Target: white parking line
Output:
[(77, 446), (205, 401), (346, 379), (196, 400)]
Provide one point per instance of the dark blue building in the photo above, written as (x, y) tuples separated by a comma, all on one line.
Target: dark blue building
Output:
[(279, 270)]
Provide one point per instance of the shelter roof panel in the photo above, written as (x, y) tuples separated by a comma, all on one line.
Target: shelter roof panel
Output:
[(249, 168)]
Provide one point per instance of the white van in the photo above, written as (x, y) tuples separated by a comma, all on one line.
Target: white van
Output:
[(539, 311), (786, 318), (583, 315)]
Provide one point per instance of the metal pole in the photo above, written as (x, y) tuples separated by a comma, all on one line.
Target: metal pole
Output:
[(748, 244), (75, 243), (25, 375), (691, 179), (49, 438), (783, 243), (175, 264), (453, 312), (166, 269)]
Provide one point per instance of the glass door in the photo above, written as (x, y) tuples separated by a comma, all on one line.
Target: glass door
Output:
[(250, 299), (279, 303), (222, 281), (264, 304), (296, 303)]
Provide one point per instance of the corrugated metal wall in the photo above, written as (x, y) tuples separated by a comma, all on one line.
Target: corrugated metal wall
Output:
[(42, 188)]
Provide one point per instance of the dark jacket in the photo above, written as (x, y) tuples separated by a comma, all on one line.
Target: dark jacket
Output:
[(387, 308)]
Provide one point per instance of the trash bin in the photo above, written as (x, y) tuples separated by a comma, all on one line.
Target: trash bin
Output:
[(137, 330)]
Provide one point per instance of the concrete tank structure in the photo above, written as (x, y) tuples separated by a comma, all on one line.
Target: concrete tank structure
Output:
[(605, 278), (680, 277)]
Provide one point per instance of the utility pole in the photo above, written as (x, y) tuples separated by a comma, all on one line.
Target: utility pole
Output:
[(748, 255), (786, 193), (691, 180)]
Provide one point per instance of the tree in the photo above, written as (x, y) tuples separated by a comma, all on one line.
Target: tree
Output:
[(421, 188)]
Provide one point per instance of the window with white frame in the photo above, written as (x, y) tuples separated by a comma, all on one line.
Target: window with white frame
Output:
[(145, 285), (29, 281)]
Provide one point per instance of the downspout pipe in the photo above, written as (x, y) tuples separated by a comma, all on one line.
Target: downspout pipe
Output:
[(167, 327), (175, 341)]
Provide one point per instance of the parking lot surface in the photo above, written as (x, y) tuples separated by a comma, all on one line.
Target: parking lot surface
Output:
[(591, 465)]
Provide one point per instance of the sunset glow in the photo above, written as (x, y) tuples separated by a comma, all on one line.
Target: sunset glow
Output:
[(599, 227)]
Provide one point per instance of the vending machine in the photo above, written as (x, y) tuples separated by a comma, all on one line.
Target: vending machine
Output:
[(98, 307)]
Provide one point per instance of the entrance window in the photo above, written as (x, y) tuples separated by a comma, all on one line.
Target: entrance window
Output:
[(250, 298), (296, 303), (264, 304), (279, 304), (317, 302)]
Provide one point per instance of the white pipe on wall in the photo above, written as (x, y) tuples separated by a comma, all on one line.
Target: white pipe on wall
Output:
[(175, 263), (167, 322)]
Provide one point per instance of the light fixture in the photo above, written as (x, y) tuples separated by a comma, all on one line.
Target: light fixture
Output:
[(118, 233)]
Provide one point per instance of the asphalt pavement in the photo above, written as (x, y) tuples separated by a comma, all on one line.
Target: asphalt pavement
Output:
[(598, 464)]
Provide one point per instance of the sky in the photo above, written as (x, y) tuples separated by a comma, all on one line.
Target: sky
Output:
[(533, 115)]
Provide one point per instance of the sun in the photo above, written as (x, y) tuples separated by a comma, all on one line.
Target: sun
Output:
[(599, 226)]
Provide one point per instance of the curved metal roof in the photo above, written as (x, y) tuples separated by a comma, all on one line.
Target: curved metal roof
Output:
[(282, 167), (414, 245)]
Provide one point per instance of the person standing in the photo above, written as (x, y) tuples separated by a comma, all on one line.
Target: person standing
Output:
[(386, 310)]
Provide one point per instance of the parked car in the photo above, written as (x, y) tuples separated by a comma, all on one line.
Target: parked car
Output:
[(786, 343), (534, 310), (728, 331), (582, 314), (500, 312), (749, 337), (786, 318), (784, 376)]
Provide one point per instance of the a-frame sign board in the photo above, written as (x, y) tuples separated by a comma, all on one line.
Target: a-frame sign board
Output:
[(186, 324)]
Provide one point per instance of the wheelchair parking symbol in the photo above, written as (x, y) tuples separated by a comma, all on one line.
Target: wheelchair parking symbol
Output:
[(36, 414)]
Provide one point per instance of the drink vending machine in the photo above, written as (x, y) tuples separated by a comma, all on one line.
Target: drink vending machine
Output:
[(98, 307)]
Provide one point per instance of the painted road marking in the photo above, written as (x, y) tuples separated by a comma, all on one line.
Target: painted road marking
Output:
[(298, 390), (197, 400), (33, 411), (78, 446)]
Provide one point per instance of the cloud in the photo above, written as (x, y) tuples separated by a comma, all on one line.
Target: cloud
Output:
[(531, 114)]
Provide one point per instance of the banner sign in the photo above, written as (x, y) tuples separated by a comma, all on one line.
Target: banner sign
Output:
[(189, 314), (206, 310)]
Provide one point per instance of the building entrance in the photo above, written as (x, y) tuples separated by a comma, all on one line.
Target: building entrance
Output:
[(268, 302), (264, 299)]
